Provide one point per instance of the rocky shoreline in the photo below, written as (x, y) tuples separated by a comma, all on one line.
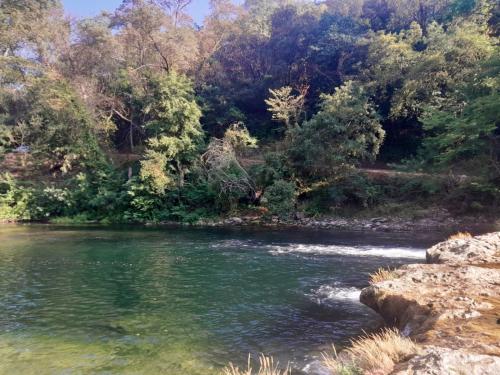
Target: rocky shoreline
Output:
[(438, 221), (434, 220), (450, 307)]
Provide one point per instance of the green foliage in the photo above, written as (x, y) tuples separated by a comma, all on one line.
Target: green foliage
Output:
[(193, 202), (464, 135), (99, 195), (354, 190), (467, 135), (274, 168), (175, 132), (56, 126), (343, 133), (5, 140), (219, 111), (280, 198), (114, 109), (18, 202), (15, 201), (285, 106), (465, 132), (475, 196)]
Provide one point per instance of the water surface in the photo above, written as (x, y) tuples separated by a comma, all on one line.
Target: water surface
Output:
[(183, 301)]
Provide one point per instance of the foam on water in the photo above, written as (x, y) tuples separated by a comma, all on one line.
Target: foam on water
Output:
[(335, 293), (235, 244), (371, 251), (316, 367)]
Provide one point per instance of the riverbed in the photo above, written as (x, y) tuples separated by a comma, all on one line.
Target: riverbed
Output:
[(170, 300)]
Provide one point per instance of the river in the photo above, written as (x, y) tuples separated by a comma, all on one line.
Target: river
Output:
[(135, 300)]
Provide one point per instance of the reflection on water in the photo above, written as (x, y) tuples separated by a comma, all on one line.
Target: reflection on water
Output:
[(179, 301)]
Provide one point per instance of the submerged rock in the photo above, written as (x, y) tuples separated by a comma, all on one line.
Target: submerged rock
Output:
[(452, 308)]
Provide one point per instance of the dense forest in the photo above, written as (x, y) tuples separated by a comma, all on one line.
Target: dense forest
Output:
[(273, 106)]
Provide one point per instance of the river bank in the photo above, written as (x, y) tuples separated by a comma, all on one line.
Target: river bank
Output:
[(437, 220), (450, 307)]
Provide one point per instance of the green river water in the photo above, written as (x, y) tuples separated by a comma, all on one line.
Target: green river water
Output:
[(128, 300)]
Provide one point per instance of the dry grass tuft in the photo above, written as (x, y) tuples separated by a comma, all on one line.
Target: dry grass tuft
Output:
[(372, 353), (460, 236), (266, 367), (383, 274), (338, 366)]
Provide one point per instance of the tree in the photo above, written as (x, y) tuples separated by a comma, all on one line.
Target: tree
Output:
[(152, 38), (28, 24), (450, 58), (343, 133), (220, 24), (353, 8), (281, 198), (464, 131), (56, 125), (175, 134), (32, 34), (287, 107), (408, 71)]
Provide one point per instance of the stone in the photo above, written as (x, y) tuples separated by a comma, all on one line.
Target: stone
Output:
[(443, 361), (451, 308), (475, 250)]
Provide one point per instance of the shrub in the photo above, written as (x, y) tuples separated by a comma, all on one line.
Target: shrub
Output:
[(280, 198), (275, 167), (99, 195), (15, 201), (355, 190), (49, 202)]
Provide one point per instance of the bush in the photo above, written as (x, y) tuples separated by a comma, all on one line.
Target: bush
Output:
[(50, 202), (355, 190), (281, 199), (274, 168), (475, 196), (15, 201), (99, 195)]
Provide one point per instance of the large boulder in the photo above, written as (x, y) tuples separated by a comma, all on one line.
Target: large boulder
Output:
[(474, 250), (451, 308), (456, 306)]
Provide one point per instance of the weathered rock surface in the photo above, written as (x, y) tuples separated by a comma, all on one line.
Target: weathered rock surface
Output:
[(475, 250), (452, 309), (443, 361)]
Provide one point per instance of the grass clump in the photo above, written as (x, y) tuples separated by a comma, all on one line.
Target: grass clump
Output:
[(378, 353), (383, 274), (338, 366), (460, 236), (266, 367)]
